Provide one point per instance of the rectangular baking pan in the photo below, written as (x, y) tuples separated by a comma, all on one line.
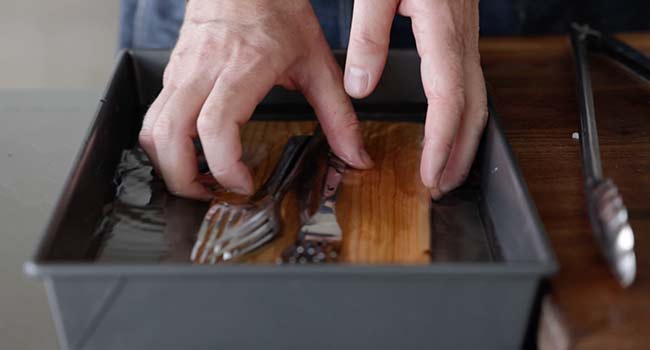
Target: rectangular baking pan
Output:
[(445, 305)]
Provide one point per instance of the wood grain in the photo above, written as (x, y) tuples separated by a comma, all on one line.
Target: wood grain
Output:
[(383, 212), (533, 84)]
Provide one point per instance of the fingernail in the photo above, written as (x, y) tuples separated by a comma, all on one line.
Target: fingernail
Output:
[(356, 81), (427, 171), (450, 180), (241, 190), (208, 197), (445, 183), (435, 193), (366, 159)]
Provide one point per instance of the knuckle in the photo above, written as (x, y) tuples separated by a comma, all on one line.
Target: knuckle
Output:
[(178, 54), (162, 131), (451, 100), (251, 58), (206, 47), (201, 43), (350, 122), (229, 81), (454, 93), (345, 123), (170, 80), (191, 84), (220, 171), (208, 126), (190, 67), (188, 81), (252, 54), (445, 84), (145, 138), (369, 41)]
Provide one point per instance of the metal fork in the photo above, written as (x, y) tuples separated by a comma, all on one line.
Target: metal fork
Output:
[(319, 239), (230, 230)]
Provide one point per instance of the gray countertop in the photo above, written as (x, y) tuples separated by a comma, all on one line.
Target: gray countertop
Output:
[(40, 135)]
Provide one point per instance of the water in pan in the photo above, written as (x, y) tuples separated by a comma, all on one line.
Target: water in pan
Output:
[(147, 224), (461, 231)]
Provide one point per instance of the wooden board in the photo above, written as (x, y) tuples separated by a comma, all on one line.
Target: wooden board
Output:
[(383, 212)]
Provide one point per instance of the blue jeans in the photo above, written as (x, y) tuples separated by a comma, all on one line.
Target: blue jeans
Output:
[(154, 24), (150, 24)]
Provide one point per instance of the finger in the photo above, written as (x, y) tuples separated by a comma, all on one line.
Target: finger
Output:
[(230, 104), (146, 132), (368, 46), (475, 114), (173, 133), (321, 85), (469, 135), (442, 78)]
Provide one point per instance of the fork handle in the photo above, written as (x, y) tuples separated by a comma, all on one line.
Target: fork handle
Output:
[(308, 144), (335, 170), (284, 167)]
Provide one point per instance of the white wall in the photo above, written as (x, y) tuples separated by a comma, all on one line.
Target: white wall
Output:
[(66, 44)]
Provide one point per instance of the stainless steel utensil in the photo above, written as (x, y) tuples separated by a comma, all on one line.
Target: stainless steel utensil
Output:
[(607, 213), (230, 230), (319, 239)]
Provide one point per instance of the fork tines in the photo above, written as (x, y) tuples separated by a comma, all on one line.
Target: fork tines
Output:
[(220, 218)]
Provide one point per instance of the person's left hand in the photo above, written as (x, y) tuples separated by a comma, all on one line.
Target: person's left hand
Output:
[(446, 34)]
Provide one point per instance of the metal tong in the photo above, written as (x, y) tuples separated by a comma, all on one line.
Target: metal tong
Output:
[(319, 238), (230, 230), (607, 213)]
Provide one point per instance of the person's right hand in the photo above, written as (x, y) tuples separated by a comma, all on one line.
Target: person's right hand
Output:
[(228, 56)]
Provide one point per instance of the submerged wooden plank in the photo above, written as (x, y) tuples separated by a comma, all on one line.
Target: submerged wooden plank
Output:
[(383, 212)]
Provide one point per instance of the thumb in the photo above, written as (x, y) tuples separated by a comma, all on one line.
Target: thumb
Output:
[(368, 46)]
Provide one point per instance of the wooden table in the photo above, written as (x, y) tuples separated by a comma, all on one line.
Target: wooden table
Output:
[(533, 85)]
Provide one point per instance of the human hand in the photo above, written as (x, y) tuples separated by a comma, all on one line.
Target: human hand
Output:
[(446, 35), (228, 56)]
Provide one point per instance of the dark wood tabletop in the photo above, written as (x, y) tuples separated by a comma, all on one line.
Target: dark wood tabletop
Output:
[(533, 84)]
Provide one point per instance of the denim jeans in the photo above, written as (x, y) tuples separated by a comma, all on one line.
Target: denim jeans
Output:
[(155, 23), (150, 24)]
